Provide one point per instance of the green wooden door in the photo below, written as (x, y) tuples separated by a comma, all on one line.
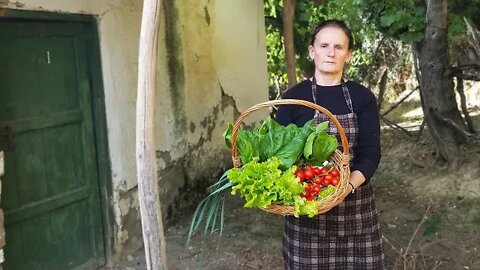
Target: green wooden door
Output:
[(50, 191)]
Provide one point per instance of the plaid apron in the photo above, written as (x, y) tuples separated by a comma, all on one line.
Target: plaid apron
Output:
[(348, 236)]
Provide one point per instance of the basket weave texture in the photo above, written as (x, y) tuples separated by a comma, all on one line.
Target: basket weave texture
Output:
[(339, 160)]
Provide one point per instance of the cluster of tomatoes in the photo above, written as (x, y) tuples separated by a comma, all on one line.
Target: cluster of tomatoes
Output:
[(316, 178)]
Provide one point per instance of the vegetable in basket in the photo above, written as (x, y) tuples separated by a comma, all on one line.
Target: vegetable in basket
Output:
[(268, 175), (263, 184), (288, 143)]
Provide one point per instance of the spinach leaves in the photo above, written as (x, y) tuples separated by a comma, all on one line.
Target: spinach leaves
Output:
[(289, 144)]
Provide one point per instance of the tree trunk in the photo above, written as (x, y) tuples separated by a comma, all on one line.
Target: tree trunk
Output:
[(287, 19), (382, 87), (148, 194), (440, 109)]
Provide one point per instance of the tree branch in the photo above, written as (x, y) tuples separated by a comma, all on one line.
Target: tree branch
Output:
[(463, 103), (399, 102), (466, 72), (470, 66), (395, 126), (458, 128), (424, 219)]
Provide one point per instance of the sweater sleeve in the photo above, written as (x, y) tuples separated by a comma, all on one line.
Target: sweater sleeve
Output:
[(368, 151)]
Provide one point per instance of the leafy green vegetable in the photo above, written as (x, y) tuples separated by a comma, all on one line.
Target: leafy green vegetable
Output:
[(323, 147), (305, 207), (211, 207), (326, 191), (263, 184), (272, 139), (321, 127), (286, 143), (247, 143)]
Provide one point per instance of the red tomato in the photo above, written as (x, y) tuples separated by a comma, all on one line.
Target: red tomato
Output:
[(301, 175), (323, 170), (334, 172), (308, 188), (317, 171), (318, 181), (316, 189), (309, 174), (335, 181), (328, 177)]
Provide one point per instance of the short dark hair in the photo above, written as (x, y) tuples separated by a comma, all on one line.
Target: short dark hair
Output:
[(333, 23)]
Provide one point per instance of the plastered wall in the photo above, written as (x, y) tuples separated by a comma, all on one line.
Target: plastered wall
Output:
[(211, 66)]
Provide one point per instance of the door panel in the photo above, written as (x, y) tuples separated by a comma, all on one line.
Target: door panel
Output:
[(51, 187)]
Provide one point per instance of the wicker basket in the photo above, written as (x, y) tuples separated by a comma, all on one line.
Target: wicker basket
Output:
[(338, 159)]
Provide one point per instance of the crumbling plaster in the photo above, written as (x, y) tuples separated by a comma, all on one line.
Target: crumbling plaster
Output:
[(219, 71), (211, 66)]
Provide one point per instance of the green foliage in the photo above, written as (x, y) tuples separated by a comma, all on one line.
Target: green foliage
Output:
[(456, 27), (275, 50), (307, 15), (371, 22), (469, 9), (400, 19), (211, 208), (405, 19)]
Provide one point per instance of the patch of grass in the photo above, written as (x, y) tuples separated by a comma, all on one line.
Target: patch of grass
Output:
[(432, 225)]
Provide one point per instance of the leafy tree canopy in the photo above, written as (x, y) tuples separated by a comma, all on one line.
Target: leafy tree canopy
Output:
[(307, 15), (370, 21)]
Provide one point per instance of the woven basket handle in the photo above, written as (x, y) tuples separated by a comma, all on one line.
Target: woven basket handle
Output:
[(236, 127)]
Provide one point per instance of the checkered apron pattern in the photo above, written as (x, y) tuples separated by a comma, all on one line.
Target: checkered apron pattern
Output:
[(348, 236)]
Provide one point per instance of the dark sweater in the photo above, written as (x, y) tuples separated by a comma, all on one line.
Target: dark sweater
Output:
[(367, 151)]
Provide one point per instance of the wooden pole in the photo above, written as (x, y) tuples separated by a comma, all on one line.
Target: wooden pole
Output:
[(148, 191), (287, 19)]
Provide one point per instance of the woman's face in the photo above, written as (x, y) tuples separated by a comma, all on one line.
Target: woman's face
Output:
[(330, 51)]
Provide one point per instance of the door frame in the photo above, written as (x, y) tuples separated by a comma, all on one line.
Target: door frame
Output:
[(98, 107)]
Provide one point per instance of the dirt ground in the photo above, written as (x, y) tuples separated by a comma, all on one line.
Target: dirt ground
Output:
[(429, 213)]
